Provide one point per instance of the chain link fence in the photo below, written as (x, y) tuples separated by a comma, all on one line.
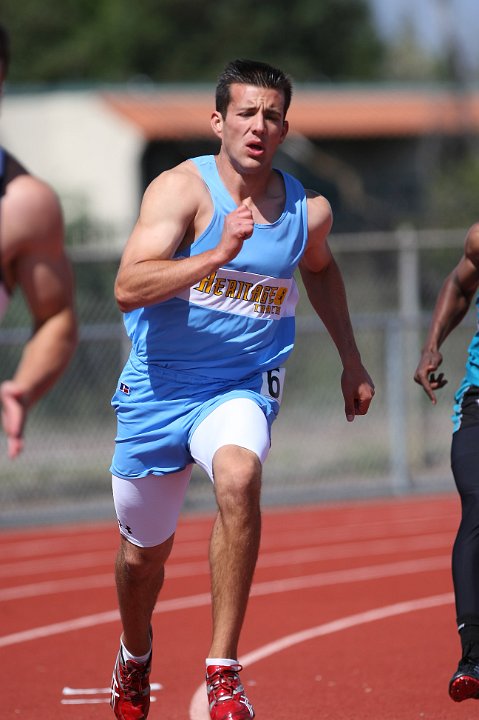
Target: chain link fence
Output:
[(401, 446)]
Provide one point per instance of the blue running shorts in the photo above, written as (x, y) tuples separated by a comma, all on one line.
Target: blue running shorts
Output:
[(158, 410), (148, 507)]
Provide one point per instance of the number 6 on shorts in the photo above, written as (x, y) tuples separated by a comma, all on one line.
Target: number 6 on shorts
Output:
[(273, 381)]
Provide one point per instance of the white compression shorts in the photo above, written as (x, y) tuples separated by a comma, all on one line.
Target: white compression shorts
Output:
[(148, 508)]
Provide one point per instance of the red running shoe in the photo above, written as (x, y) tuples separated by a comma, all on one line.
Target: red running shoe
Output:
[(464, 683), (226, 696), (130, 689)]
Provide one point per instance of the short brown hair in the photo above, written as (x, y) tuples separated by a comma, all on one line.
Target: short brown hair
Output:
[(251, 72)]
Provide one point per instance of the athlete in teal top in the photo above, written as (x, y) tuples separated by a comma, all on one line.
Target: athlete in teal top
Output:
[(470, 381), (452, 304), (206, 282)]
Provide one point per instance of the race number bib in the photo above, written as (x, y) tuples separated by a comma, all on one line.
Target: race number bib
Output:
[(273, 381)]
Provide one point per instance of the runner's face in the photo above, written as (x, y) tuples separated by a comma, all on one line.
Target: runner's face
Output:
[(254, 126)]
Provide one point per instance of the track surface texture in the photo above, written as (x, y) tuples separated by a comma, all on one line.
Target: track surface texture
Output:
[(351, 617)]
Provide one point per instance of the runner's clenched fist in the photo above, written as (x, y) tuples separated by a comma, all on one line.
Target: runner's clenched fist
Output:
[(238, 227)]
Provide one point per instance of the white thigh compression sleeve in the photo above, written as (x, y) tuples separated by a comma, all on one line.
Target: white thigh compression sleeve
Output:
[(236, 422), (148, 508)]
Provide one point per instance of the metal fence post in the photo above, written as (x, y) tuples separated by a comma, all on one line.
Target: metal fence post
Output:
[(410, 315), (399, 473), (401, 349)]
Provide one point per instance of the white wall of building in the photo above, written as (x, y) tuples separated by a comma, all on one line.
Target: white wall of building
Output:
[(86, 152)]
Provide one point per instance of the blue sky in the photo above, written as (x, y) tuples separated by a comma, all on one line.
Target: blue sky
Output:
[(433, 19)]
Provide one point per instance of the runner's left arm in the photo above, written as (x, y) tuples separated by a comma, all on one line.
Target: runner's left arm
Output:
[(326, 292)]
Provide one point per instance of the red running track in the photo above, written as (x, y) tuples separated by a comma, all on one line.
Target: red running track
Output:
[(351, 617)]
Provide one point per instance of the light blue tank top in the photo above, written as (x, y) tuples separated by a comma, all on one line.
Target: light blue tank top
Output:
[(4, 295), (239, 320)]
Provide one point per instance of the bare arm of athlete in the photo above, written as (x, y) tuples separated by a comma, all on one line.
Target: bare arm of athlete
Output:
[(452, 304), (325, 288), (33, 236), (175, 208)]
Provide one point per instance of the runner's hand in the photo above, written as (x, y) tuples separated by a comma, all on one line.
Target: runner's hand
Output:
[(425, 374), (238, 227)]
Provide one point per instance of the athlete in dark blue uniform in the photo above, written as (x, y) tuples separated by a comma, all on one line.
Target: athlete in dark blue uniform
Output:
[(4, 294), (32, 260), (452, 304)]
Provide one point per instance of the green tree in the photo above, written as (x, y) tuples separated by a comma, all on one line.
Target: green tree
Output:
[(452, 196), (188, 40), (406, 59)]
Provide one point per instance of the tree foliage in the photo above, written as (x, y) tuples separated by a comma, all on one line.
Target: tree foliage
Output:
[(452, 197), (188, 40), (407, 60)]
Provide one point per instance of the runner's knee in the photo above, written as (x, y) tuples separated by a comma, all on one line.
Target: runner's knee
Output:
[(237, 476), (141, 562)]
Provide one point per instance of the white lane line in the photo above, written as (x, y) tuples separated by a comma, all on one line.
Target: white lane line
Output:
[(271, 559), (87, 701), (57, 564), (373, 572), (388, 529), (58, 546), (83, 695), (199, 706), (55, 538), (59, 628), (100, 691), (348, 575), (51, 587), (186, 546), (93, 701), (86, 691)]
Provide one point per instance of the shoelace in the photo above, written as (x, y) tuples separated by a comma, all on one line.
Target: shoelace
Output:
[(224, 680), (132, 676)]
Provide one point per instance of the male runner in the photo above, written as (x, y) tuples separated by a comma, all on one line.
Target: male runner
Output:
[(32, 258), (207, 286), (452, 304)]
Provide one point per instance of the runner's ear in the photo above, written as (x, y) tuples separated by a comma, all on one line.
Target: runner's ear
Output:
[(217, 123)]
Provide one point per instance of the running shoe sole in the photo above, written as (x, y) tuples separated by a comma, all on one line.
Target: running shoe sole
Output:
[(464, 687)]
